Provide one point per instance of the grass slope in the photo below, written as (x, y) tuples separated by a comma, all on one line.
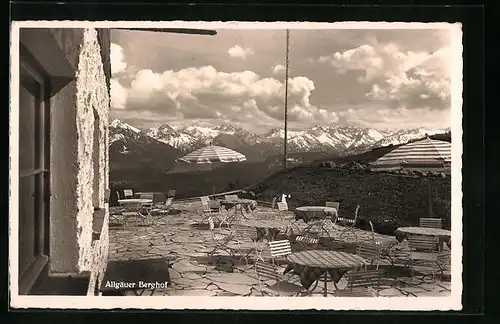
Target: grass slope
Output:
[(388, 200)]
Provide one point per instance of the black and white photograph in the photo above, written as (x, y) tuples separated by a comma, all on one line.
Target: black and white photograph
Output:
[(217, 165)]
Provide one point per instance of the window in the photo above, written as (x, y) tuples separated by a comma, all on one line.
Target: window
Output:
[(33, 175)]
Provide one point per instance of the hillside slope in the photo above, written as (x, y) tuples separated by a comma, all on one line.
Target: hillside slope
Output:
[(388, 200)]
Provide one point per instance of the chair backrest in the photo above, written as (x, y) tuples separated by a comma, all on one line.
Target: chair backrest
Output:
[(364, 278), (246, 232), (205, 201), (168, 202), (282, 206), (423, 243), (231, 197), (211, 224), (373, 231), (280, 248), (273, 203), (265, 270), (128, 193), (356, 214), (369, 251), (306, 239), (431, 222), (333, 204)]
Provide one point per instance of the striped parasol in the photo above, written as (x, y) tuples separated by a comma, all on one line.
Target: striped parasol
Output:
[(426, 154), (213, 154)]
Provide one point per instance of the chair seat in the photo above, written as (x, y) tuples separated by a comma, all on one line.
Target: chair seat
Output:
[(221, 237), (345, 220), (424, 256), (356, 292)]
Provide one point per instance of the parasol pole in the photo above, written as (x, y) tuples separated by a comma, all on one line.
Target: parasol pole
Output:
[(430, 198)]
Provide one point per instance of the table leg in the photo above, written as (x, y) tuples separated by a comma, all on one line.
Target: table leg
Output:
[(325, 293)]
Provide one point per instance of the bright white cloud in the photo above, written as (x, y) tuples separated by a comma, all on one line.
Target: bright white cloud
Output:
[(118, 95), (410, 79), (239, 52), (117, 58), (207, 93), (278, 69)]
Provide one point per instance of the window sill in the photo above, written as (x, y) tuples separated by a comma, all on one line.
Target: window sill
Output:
[(30, 276)]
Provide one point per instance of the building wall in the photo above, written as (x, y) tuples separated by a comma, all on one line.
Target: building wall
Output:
[(80, 115)]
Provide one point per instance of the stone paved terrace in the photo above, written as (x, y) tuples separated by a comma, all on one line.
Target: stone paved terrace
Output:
[(193, 273)]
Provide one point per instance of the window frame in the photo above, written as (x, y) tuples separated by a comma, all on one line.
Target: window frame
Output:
[(30, 71)]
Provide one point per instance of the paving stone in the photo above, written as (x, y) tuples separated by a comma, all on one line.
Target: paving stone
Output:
[(191, 292), (234, 288), (235, 278), (186, 266), (192, 276), (390, 292)]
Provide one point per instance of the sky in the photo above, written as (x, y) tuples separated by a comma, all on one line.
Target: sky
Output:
[(377, 78)]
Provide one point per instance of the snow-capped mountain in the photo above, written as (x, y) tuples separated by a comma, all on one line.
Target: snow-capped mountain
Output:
[(406, 135), (320, 138), (129, 146)]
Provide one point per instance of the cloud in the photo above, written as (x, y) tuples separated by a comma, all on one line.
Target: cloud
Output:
[(239, 52), (401, 79), (278, 69), (118, 95), (206, 93), (117, 57), (399, 118)]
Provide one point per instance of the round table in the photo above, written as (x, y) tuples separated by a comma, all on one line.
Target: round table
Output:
[(239, 203), (442, 234), (314, 264), (308, 213)]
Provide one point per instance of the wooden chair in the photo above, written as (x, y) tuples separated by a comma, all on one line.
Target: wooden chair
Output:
[(220, 241), (363, 283), (210, 211), (246, 242), (268, 271), (431, 222), (370, 252), (307, 242), (424, 250), (349, 225), (171, 193)]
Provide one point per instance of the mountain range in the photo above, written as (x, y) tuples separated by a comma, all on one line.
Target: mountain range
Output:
[(162, 145)]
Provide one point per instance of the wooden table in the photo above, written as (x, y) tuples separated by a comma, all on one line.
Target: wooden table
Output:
[(314, 264), (443, 235), (239, 204), (136, 276)]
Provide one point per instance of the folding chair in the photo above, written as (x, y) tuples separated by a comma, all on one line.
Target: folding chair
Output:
[(370, 252), (246, 242), (362, 283), (266, 271), (220, 241), (424, 249), (349, 225), (307, 242), (209, 211), (431, 222)]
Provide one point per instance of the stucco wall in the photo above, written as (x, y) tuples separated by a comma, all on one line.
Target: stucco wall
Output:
[(73, 170), (63, 161)]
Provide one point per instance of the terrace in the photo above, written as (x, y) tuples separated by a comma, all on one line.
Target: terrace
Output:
[(181, 236)]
